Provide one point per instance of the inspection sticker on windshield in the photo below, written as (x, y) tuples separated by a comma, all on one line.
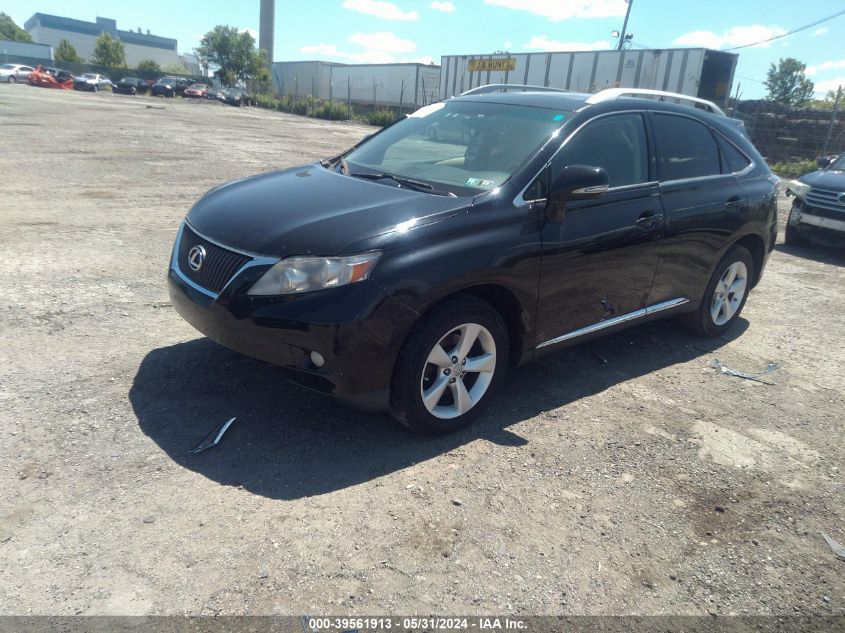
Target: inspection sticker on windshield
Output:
[(479, 182)]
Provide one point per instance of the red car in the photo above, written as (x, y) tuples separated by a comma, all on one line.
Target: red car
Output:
[(197, 91)]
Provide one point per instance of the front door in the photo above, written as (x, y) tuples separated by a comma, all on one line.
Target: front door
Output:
[(599, 263)]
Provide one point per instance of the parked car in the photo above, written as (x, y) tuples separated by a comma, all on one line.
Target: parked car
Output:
[(818, 211), (196, 91), (131, 86), (46, 77), (13, 73), (408, 275), (169, 86), (236, 97), (216, 93), (91, 82)]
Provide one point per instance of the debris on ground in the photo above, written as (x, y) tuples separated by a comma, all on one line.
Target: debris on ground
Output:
[(213, 438), (836, 547), (770, 367)]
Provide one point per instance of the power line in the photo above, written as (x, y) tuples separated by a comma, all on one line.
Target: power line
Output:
[(793, 31)]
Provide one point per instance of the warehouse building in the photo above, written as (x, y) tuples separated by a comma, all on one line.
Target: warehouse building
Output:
[(52, 29), (405, 85), (696, 72)]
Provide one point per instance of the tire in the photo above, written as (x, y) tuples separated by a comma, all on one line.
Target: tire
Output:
[(791, 235), (725, 296), (96, 88), (430, 361), (13, 79)]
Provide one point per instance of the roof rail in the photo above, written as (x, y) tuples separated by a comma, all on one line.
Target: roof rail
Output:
[(611, 94), (509, 87)]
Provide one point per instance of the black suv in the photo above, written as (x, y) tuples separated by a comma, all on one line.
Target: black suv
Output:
[(818, 211), (409, 273)]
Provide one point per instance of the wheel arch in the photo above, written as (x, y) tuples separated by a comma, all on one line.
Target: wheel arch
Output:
[(757, 247)]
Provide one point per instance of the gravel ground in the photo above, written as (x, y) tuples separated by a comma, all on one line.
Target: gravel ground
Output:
[(624, 476)]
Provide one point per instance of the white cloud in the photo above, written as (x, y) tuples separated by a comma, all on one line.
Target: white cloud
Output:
[(829, 65), (326, 50), (736, 36), (383, 10), (252, 32), (822, 30), (447, 7), (823, 87), (508, 45), (377, 48), (543, 43), (557, 10), (383, 41)]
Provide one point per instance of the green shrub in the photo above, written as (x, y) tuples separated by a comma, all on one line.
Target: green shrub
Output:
[(794, 169), (381, 118), (332, 111)]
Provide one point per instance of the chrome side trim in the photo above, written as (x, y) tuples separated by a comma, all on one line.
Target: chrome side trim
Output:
[(624, 318), (592, 190)]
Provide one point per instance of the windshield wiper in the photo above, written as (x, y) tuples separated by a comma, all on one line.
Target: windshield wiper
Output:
[(416, 185)]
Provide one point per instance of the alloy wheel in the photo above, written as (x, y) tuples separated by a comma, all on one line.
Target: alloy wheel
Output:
[(729, 292), (458, 371)]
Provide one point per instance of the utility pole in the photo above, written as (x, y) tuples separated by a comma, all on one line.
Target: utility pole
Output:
[(832, 120), (625, 25)]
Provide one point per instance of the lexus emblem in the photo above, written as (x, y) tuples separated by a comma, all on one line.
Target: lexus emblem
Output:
[(196, 256)]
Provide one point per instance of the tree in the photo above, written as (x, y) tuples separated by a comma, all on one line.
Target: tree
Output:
[(176, 68), (65, 52), (149, 69), (234, 54), (11, 31), (108, 51), (787, 83)]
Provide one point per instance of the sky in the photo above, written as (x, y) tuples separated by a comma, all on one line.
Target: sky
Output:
[(423, 30)]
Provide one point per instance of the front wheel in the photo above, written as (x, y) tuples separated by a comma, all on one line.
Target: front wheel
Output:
[(449, 367), (12, 79), (725, 295), (791, 235)]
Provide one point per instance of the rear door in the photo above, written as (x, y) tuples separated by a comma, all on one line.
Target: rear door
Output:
[(599, 263), (704, 203)]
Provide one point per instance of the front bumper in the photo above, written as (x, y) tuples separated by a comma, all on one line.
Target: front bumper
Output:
[(357, 329), (800, 216)]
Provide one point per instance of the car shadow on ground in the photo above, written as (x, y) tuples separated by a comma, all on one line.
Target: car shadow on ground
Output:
[(821, 254), (289, 443)]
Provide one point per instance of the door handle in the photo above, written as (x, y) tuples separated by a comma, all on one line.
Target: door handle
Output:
[(733, 203), (649, 220)]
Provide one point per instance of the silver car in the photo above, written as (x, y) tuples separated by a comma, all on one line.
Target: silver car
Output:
[(13, 73), (91, 81)]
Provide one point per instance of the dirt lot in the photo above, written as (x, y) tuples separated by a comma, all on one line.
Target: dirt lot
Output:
[(649, 484)]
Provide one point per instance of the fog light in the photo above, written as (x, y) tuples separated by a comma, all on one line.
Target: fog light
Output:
[(317, 359)]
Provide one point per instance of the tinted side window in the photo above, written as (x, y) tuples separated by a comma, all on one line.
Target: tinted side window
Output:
[(617, 143), (736, 160), (685, 148)]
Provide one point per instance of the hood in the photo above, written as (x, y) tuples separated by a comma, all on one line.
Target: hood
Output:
[(832, 180), (311, 209)]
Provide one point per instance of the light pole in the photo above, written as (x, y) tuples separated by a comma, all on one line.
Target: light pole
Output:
[(625, 25)]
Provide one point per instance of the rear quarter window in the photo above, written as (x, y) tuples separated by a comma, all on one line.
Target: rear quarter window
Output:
[(685, 148)]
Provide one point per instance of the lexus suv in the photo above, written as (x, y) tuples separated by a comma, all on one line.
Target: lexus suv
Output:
[(409, 273), (818, 211)]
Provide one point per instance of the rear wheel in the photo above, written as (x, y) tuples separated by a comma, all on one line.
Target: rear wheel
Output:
[(450, 365), (725, 295), (12, 79)]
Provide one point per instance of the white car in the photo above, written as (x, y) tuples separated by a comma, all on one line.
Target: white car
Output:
[(91, 81), (13, 73)]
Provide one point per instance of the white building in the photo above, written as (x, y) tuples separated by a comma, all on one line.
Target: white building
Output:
[(408, 85), (52, 29)]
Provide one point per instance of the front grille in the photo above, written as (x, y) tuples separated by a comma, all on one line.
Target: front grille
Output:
[(824, 199), (217, 269)]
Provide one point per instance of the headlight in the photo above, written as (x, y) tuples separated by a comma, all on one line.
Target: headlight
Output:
[(306, 274), (798, 188)]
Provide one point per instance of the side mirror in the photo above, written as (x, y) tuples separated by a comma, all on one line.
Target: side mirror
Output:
[(823, 162), (575, 182)]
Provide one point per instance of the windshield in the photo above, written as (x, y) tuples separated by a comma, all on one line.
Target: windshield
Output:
[(838, 164), (464, 147), (7, 67), (164, 81), (199, 87), (129, 80), (89, 76)]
